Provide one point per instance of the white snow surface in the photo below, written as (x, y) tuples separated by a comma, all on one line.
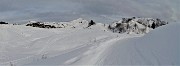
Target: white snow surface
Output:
[(159, 47), (28, 46)]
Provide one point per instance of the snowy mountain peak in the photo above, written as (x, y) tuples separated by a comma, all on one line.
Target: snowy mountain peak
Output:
[(32, 21), (79, 20)]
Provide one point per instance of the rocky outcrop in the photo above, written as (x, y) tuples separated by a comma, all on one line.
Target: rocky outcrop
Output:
[(40, 25), (136, 25)]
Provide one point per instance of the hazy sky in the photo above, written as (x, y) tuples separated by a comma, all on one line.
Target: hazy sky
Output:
[(98, 10)]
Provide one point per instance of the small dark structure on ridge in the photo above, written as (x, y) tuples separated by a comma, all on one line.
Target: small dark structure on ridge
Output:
[(3, 22), (153, 25), (91, 23)]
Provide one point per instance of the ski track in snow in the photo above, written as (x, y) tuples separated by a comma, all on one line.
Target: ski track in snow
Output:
[(76, 53), (52, 39), (81, 50)]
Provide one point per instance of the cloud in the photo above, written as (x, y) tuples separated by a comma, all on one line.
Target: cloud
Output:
[(98, 10)]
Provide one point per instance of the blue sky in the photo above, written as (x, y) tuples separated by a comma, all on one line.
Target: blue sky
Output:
[(98, 10)]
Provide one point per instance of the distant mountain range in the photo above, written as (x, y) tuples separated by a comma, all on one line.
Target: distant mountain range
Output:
[(125, 25)]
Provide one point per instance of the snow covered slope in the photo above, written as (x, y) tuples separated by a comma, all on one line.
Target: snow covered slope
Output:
[(159, 47), (28, 46), (22, 45)]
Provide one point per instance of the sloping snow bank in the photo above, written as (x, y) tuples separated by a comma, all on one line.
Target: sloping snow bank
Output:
[(159, 47), (28, 46)]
